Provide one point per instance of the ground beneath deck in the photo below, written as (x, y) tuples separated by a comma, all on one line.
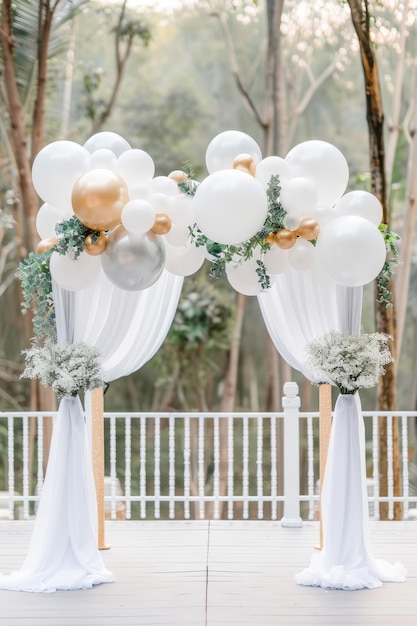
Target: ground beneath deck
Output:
[(217, 573)]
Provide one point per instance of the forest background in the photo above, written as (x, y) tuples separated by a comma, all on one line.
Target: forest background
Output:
[(170, 76)]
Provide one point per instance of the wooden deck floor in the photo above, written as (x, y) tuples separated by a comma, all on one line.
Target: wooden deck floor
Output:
[(213, 574)]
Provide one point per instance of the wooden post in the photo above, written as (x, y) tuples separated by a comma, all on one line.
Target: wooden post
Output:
[(325, 426), (97, 444)]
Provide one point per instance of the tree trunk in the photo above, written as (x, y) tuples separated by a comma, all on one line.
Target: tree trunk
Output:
[(385, 317)]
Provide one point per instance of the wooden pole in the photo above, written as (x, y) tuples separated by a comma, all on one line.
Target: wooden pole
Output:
[(97, 443), (325, 426)]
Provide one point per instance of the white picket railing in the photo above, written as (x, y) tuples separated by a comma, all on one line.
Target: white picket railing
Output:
[(198, 465)]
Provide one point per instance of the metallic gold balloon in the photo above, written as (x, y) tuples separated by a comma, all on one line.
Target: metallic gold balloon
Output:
[(133, 262), (308, 229), (246, 163), (270, 239), (46, 244), (98, 197), (285, 239), (162, 224), (97, 247), (179, 176)]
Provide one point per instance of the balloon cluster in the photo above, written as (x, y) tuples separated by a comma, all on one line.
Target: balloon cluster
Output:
[(318, 222), (137, 224)]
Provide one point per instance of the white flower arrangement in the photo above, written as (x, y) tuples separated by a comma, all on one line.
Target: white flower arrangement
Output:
[(65, 367), (350, 362)]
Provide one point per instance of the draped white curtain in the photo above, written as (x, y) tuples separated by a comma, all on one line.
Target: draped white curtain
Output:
[(128, 328), (298, 308)]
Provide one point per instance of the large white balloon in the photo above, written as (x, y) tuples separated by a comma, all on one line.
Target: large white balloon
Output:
[(46, 219), (75, 275), (226, 146), (230, 206), (55, 170), (135, 166), (184, 260), (361, 203), (322, 163), (273, 166), (351, 250), (299, 197), (109, 140)]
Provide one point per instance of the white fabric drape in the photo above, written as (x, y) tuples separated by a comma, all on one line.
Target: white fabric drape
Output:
[(346, 560), (128, 328), (300, 307)]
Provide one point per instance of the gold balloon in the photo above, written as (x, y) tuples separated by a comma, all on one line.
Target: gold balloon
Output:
[(178, 176), (97, 247), (46, 244), (285, 239), (308, 229), (98, 198), (246, 163), (270, 239), (162, 224)]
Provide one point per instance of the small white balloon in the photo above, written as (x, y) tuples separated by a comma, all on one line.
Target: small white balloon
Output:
[(177, 235), (138, 216), (351, 250), (226, 146), (109, 140), (243, 278), (75, 275), (103, 159), (47, 218), (139, 191), (135, 166), (324, 165), (180, 210), (230, 206), (302, 255), (291, 222), (275, 260), (361, 203), (322, 214), (273, 166), (299, 197), (184, 260), (160, 202), (163, 184)]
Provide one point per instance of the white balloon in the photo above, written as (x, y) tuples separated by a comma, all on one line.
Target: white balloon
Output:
[(139, 191), (180, 210), (56, 169), (46, 219), (135, 166), (160, 202), (109, 140), (226, 146), (361, 203), (302, 255), (275, 260), (177, 235), (299, 197), (273, 166), (230, 206), (75, 275), (322, 214), (184, 260), (103, 159), (138, 216), (351, 250), (291, 222), (243, 278), (163, 184), (323, 164)]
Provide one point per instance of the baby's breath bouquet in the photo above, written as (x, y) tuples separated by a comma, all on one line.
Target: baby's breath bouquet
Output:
[(65, 367), (350, 362)]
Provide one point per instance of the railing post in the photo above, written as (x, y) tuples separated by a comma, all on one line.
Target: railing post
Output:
[(291, 405)]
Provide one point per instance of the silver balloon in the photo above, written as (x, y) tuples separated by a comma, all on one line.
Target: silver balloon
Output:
[(133, 262)]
